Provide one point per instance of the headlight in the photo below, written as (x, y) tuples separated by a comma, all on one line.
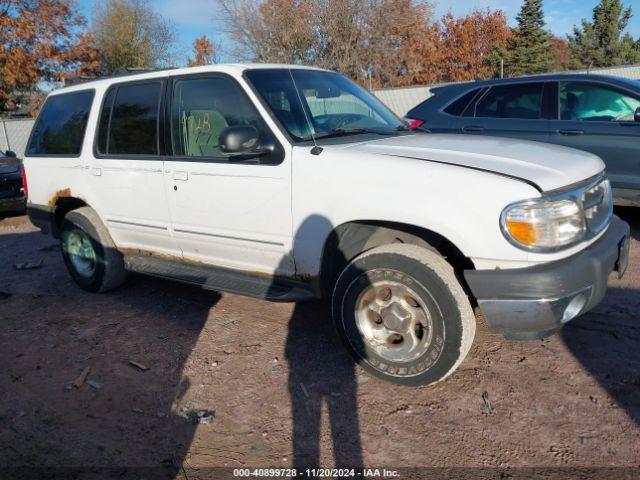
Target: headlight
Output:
[(544, 225)]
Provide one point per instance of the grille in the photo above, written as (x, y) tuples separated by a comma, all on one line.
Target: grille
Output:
[(597, 203)]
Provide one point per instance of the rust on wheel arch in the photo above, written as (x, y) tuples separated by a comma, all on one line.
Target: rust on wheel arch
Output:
[(63, 193)]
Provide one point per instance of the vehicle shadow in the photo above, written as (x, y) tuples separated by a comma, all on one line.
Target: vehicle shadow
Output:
[(320, 372), (631, 215), (126, 418), (11, 214), (606, 342)]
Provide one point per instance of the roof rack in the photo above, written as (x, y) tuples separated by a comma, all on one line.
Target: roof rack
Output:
[(122, 72)]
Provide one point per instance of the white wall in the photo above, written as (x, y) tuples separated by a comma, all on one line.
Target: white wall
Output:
[(401, 100)]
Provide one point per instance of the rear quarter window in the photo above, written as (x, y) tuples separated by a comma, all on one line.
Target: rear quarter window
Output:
[(458, 107), (61, 125)]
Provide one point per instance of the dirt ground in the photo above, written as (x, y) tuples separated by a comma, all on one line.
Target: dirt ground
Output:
[(219, 376)]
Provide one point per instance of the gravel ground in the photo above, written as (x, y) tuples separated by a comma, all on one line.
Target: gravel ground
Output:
[(218, 377)]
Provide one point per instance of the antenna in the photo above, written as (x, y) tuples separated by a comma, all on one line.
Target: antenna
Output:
[(316, 150)]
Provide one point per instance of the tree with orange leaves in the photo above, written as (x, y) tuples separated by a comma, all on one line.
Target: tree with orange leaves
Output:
[(204, 52), (41, 41), (469, 43)]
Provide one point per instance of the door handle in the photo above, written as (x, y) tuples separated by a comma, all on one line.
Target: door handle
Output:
[(180, 175), (473, 128), (96, 172), (570, 132)]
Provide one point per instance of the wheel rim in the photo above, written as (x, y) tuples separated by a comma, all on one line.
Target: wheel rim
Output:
[(81, 254), (393, 322)]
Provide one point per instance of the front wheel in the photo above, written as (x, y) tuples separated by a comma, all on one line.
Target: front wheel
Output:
[(403, 315)]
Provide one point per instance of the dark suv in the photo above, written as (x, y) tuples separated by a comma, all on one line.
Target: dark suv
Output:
[(12, 198), (595, 113)]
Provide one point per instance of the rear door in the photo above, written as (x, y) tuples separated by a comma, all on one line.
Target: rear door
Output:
[(599, 118), (512, 110), (126, 173)]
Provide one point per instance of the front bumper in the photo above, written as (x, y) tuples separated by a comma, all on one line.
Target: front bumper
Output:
[(535, 302)]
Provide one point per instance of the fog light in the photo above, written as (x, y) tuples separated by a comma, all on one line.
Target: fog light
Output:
[(575, 307)]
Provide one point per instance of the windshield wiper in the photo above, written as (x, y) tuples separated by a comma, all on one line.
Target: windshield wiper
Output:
[(340, 132)]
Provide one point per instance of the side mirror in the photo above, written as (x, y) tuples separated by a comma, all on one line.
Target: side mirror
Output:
[(12, 154), (239, 139), (636, 115)]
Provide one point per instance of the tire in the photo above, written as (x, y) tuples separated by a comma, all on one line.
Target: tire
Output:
[(89, 253), (403, 315)]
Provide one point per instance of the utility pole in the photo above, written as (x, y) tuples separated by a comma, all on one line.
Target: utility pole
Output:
[(501, 67)]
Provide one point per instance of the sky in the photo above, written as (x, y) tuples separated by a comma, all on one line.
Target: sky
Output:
[(193, 18)]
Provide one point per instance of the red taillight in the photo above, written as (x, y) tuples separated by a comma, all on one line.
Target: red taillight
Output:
[(415, 124), (25, 186)]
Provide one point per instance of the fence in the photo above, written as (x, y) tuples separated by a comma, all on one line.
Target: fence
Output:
[(14, 134)]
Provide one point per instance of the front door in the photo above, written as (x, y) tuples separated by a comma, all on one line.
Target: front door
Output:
[(227, 210), (599, 118)]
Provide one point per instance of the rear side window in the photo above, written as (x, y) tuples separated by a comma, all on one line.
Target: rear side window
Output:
[(457, 107), (522, 101), (129, 120), (61, 124)]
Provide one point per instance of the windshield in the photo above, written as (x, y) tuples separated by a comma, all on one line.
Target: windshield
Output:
[(318, 104)]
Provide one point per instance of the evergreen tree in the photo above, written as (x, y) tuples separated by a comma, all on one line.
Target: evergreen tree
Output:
[(529, 50), (602, 42)]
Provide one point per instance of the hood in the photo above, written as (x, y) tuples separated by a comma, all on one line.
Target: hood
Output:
[(547, 166), (9, 164)]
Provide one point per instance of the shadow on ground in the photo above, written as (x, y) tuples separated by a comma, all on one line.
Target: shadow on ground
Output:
[(607, 344), (606, 341), (320, 372), (631, 215), (123, 414)]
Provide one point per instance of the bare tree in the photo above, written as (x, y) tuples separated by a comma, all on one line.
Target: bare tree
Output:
[(272, 31), (364, 39), (130, 34)]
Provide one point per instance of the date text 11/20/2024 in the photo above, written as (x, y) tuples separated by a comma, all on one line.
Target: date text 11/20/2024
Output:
[(316, 472)]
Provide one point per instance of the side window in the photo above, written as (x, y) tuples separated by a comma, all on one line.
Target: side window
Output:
[(458, 107), (596, 103), (202, 108), (512, 101), (61, 125), (133, 129)]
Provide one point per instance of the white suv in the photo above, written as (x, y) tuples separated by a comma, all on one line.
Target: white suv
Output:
[(290, 183)]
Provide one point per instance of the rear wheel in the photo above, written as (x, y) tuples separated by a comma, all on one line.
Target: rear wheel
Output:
[(89, 252), (403, 315)]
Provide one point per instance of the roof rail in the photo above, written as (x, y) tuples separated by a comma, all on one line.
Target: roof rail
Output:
[(121, 72)]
